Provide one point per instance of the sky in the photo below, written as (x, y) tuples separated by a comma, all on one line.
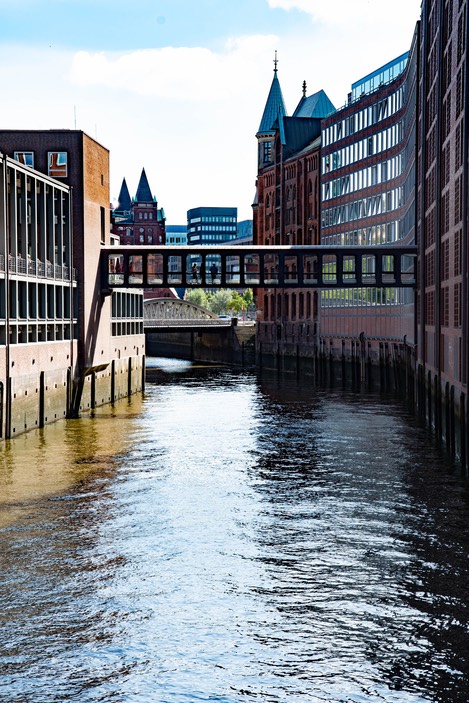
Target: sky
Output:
[(178, 87)]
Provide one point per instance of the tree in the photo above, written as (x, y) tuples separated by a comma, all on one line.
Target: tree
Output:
[(197, 296), (219, 301), (236, 303), (248, 298)]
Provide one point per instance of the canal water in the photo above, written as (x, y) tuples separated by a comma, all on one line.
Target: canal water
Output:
[(233, 538)]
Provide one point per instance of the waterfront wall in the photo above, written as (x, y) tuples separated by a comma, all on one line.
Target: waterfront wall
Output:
[(33, 399), (374, 363), (227, 345)]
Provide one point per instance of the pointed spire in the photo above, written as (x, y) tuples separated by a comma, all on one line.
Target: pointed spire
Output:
[(124, 202), (304, 89), (143, 191), (274, 106)]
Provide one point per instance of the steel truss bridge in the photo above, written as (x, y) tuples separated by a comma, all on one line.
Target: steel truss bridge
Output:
[(175, 315), (258, 266)]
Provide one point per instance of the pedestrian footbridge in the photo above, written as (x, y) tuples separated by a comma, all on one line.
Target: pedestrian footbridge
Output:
[(258, 266)]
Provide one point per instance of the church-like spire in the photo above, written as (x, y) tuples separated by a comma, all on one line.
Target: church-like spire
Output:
[(275, 106), (143, 191), (124, 202)]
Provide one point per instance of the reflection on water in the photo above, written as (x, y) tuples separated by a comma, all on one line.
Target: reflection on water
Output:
[(227, 538)]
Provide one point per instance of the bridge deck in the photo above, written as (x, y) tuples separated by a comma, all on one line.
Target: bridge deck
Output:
[(258, 266)]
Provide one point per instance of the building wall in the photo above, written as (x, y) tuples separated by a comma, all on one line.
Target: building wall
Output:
[(442, 221), (443, 190), (368, 197), (287, 212), (79, 344)]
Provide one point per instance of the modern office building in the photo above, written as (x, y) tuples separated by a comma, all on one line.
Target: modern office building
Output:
[(368, 198), (138, 220), (211, 225), (176, 235), (244, 233), (64, 345)]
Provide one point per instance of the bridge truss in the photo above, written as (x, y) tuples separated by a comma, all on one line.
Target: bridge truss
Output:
[(258, 266)]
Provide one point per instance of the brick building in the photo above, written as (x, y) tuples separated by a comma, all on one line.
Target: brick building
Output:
[(65, 346), (138, 220), (442, 218), (286, 210)]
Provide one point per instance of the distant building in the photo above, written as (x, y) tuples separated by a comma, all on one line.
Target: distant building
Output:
[(245, 232), (138, 220), (176, 235), (211, 225)]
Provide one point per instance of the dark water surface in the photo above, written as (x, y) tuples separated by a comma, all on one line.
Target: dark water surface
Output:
[(233, 539)]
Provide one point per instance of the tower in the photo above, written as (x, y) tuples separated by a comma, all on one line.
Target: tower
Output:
[(274, 108), (139, 220)]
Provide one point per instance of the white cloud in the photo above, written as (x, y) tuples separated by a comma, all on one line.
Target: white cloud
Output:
[(189, 115), (340, 12), (176, 73)]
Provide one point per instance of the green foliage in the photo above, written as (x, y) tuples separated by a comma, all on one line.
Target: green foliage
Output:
[(219, 301), (197, 296), (248, 298), (236, 302)]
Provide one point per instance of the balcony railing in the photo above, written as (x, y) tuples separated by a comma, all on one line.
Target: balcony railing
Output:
[(37, 268)]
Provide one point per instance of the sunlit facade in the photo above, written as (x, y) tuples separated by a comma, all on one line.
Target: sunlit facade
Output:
[(368, 198)]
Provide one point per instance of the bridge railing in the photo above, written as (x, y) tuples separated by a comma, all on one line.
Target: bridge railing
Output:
[(258, 266), (189, 322)]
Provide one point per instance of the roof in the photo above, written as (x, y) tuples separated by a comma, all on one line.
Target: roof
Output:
[(124, 202), (296, 133), (317, 105), (274, 106), (143, 191)]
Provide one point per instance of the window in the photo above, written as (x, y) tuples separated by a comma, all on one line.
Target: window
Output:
[(103, 225), (25, 157), (57, 164)]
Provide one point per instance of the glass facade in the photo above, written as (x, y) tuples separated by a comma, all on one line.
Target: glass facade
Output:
[(368, 176), (380, 77), (211, 225)]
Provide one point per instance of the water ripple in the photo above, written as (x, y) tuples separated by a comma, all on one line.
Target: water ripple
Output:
[(231, 539)]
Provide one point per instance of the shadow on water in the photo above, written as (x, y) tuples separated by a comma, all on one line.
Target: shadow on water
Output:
[(362, 506)]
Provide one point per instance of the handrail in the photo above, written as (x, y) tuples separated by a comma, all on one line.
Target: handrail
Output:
[(37, 268)]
